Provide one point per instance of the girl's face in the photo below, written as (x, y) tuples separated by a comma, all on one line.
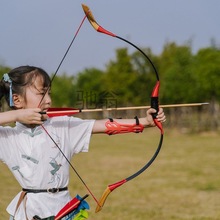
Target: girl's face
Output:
[(35, 93)]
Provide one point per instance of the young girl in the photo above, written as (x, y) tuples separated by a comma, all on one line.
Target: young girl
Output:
[(28, 151)]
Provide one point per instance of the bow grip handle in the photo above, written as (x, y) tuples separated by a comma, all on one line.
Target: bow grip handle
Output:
[(155, 105), (155, 99)]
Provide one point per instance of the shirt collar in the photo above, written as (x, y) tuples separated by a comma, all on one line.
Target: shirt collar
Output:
[(32, 132)]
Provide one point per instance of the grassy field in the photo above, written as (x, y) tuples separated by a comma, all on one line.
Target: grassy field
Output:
[(183, 183)]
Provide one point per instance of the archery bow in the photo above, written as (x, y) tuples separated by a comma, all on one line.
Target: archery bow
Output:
[(154, 104)]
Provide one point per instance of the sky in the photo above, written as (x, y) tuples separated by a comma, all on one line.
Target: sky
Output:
[(39, 32)]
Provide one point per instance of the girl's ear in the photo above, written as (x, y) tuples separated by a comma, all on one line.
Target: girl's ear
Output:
[(18, 101)]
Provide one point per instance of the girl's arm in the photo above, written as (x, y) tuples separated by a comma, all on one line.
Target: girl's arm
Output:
[(100, 125), (25, 116)]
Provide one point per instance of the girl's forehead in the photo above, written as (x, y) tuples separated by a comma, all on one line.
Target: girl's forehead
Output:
[(38, 82)]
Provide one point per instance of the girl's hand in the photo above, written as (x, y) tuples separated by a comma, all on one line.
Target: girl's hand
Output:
[(160, 116), (30, 116)]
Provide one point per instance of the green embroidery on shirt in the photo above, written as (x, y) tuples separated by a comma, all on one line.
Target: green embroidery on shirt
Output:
[(30, 158), (32, 133), (55, 165), (18, 169)]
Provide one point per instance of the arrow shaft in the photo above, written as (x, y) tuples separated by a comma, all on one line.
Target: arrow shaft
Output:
[(61, 112), (144, 107)]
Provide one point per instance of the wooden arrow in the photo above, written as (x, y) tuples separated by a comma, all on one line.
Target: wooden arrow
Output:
[(52, 112)]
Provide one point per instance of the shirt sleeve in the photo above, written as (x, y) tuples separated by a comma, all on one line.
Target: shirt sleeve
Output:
[(6, 142), (75, 132), (80, 132)]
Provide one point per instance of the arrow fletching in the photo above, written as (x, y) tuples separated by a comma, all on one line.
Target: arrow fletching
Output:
[(70, 207), (54, 112)]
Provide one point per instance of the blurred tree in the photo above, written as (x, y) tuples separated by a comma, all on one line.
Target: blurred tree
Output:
[(4, 69), (3, 104), (178, 77), (207, 73), (146, 78), (121, 78), (90, 84), (63, 91)]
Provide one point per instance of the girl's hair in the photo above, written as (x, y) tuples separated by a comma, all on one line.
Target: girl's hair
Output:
[(22, 77)]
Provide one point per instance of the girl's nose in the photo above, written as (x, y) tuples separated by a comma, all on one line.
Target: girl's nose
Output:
[(47, 98)]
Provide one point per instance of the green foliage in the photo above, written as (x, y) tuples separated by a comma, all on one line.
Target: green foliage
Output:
[(89, 87), (90, 79), (63, 91), (129, 79), (4, 69), (178, 78), (3, 104), (145, 75), (207, 73), (121, 78)]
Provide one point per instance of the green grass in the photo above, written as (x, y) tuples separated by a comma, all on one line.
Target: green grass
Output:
[(183, 183)]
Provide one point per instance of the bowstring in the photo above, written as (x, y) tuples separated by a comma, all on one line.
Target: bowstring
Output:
[(52, 79), (63, 58)]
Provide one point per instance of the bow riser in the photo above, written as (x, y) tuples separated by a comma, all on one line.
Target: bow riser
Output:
[(154, 99), (155, 105)]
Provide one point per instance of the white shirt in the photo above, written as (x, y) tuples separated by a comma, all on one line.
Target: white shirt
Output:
[(37, 163)]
